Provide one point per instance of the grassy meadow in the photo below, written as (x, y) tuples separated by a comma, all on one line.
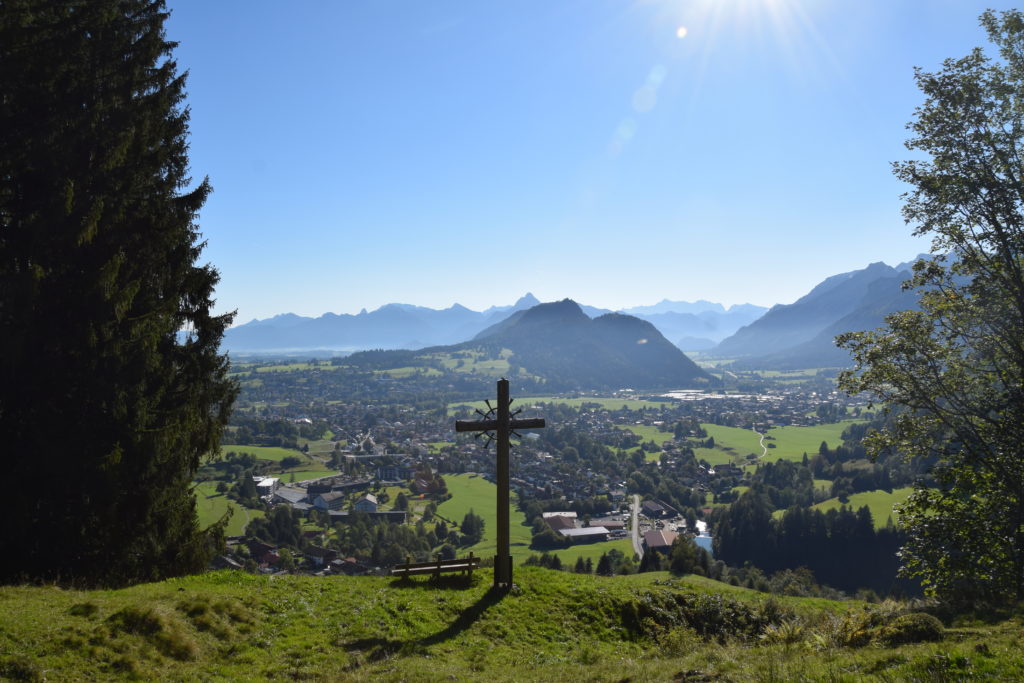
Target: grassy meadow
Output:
[(274, 453), (879, 502), (792, 442), (474, 492), (211, 506), (552, 626)]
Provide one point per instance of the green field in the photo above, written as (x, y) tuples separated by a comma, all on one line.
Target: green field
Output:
[(792, 442), (211, 506), (649, 433), (305, 475), (410, 371), (323, 447), (732, 444), (263, 452), (879, 502), (591, 550), (471, 491), (296, 367)]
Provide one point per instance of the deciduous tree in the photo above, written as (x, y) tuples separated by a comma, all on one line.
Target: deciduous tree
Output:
[(954, 371)]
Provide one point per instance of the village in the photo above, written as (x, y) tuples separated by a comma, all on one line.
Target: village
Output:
[(597, 474)]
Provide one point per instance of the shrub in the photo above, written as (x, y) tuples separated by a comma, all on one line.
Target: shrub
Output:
[(911, 628)]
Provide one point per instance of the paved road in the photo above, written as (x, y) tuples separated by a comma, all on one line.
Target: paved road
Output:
[(635, 526)]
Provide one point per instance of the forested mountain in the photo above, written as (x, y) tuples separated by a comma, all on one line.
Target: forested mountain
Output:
[(559, 346), (801, 334), (558, 341)]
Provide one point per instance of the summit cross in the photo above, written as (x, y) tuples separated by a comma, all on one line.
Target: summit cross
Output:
[(502, 424)]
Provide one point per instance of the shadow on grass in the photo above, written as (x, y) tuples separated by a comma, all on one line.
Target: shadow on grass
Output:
[(376, 649), (446, 582)]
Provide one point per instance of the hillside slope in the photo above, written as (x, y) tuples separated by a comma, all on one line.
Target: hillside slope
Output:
[(552, 626), (559, 342)]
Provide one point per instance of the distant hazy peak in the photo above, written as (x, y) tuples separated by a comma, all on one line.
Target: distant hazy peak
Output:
[(528, 300)]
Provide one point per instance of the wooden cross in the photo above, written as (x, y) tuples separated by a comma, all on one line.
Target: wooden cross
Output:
[(502, 425)]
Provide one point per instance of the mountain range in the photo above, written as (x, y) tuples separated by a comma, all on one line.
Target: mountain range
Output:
[(691, 326), (566, 349), (801, 334), (787, 336)]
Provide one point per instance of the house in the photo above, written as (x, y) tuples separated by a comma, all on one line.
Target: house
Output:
[(367, 503), (652, 509), (265, 486), (394, 472), (559, 523), (290, 495), (332, 500), (609, 523), (660, 540), (590, 534), (320, 556), (350, 566)]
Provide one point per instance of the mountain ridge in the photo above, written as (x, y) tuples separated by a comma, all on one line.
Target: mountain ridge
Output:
[(560, 344), (398, 325)]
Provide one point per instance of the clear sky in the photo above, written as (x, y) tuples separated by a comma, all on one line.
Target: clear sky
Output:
[(615, 152)]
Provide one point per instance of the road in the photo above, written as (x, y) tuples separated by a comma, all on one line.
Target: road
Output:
[(635, 526), (764, 449)]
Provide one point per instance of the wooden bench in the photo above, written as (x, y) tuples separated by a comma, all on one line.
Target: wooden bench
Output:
[(466, 565)]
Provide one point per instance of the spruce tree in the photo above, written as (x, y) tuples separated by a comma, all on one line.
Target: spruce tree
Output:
[(112, 387)]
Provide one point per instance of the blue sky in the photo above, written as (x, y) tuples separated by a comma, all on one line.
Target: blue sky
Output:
[(614, 152)]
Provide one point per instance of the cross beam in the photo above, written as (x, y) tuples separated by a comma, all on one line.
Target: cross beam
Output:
[(502, 425)]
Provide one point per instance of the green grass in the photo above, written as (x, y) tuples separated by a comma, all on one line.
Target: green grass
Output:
[(554, 626), (732, 445), (322, 447), (649, 433), (264, 452), (305, 475), (592, 550), (411, 371), (211, 506), (296, 367), (792, 442), (473, 492), (476, 493), (879, 502)]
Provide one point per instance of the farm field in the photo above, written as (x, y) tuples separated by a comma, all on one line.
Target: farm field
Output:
[(211, 506), (732, 444), (879, 502), (792, 442), (593, 551), (471, 491), (274, 453), (410, 371), (305, 475)]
